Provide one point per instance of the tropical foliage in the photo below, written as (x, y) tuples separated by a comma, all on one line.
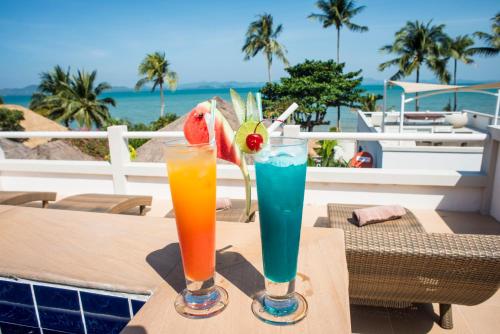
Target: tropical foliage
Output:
[(51, 83), (368, 102), (262, 37), (315, 86), (67, 99), (492, 40), (155, 69), (10, 120), (327, 154), (338, 13), (416, 45), (1, 100), (460, 49)]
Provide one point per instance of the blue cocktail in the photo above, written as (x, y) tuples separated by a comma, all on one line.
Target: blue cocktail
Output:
[(281, 172)]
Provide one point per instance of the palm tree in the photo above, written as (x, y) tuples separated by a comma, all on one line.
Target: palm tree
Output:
[(368, 102), (338, 13), (155, 68), (418, 44), (262, 37), (1, 100), (77, 100), (51, 84), (460, 50), (492, 40)]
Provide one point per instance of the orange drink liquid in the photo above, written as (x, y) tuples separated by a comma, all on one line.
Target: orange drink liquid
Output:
[(192, 178)]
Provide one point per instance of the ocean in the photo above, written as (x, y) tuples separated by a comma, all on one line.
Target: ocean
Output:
[(145, 106)]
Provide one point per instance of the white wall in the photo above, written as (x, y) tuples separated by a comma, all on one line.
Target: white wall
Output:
[(453, 158), (373, 147), (392, 155), (479, 121), (446, 190)]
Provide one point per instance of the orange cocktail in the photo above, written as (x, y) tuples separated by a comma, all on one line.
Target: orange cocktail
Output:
[(191, 174), (192, 178)]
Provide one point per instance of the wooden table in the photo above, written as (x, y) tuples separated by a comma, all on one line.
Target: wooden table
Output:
[(141, 255)]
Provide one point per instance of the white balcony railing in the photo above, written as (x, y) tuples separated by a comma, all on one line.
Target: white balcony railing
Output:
[(448, 189)]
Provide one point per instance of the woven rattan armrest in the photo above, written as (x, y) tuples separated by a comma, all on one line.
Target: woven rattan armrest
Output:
[(422, 267)]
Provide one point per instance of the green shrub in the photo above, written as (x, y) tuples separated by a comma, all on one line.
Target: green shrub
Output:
[(97, 148), (10, 120)]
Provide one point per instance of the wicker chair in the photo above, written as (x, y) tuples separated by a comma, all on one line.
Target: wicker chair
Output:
[(395, 268)]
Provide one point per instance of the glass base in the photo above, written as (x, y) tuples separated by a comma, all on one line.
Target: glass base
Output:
[(199, 306), (280, 311)]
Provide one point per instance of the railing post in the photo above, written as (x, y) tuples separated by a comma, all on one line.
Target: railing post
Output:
[(2, 157), (119, 156), (291, 130), (491, 167), (488, 167)]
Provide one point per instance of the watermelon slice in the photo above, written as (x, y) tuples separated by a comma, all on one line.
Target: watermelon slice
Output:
[(196, 132)]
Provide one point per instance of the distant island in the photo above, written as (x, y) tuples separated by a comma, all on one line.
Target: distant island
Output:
[(29, 90)]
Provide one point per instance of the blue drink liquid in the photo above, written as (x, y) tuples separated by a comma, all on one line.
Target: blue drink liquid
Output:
[(280, 190)]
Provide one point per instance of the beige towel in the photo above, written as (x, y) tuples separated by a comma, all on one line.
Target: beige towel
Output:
[(222, 203), (377, 214)]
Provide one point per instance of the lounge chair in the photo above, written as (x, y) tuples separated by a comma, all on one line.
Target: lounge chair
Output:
[(396, 263), (236, 213), (24, 197), (103, 203)]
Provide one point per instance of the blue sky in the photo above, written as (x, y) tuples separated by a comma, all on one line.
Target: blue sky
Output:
[(203, 39)]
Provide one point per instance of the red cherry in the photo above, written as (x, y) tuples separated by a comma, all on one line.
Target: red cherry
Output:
[(254, 141)]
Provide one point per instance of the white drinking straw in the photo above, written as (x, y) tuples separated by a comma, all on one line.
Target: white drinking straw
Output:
[(258, 96), (282, 118)]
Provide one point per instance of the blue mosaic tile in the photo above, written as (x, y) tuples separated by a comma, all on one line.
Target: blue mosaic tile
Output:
[(18, 314), (102, 304), (16, 293), (137, 305), (104, 324), (6, 328), (55, 297), (61, 320)]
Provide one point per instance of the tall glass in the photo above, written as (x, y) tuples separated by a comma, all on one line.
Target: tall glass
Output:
[(192, 178), (281, 173)]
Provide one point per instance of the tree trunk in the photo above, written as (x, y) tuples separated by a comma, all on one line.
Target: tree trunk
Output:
[(455, 82), (416, 94), (162, 101), (268, 70), (338, 118), (338, 45)]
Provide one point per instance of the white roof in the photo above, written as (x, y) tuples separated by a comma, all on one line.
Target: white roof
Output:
[(413, 87)]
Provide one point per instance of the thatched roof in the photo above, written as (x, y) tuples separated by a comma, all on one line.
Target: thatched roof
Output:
[(35, 122), (39, 148), (16, 150), (152, 151), (60, 150)]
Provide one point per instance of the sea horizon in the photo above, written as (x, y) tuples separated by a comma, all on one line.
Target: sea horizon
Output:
[(144, 106)]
